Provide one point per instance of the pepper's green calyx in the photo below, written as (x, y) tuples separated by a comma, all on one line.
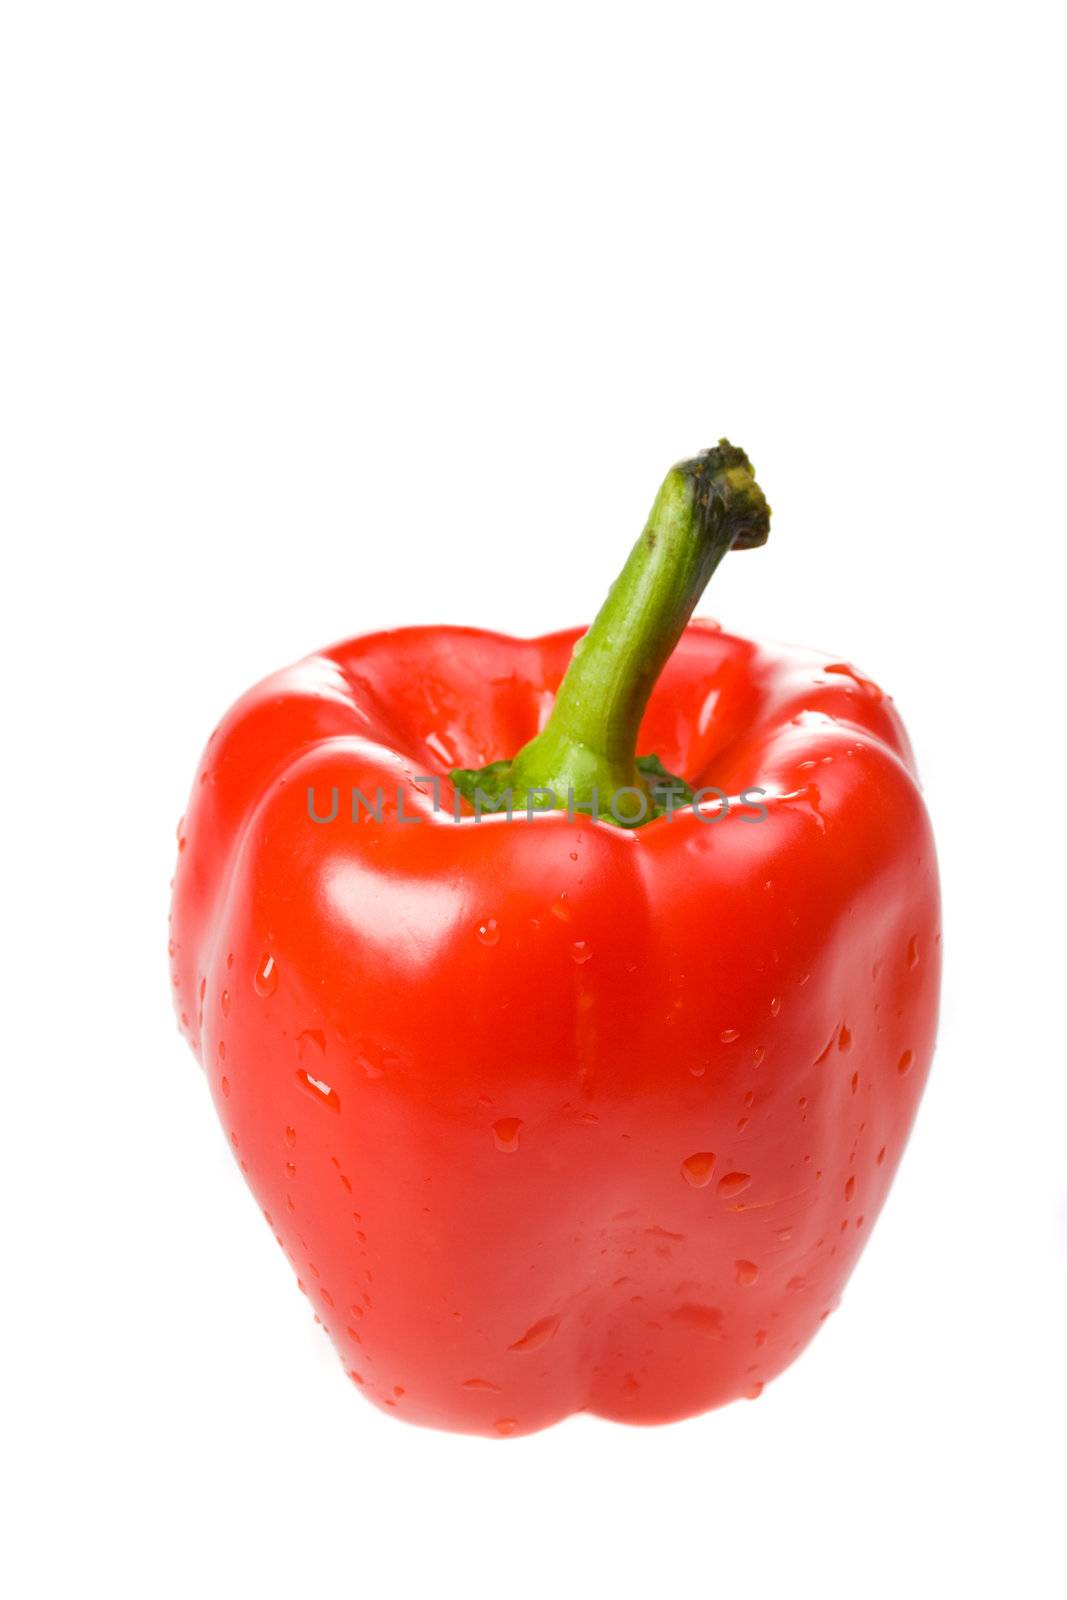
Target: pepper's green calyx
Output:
[(585, 758)]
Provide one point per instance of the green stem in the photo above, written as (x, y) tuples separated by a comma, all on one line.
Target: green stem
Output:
[(587, 752)]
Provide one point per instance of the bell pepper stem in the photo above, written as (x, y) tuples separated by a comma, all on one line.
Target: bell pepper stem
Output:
[(586, 755)]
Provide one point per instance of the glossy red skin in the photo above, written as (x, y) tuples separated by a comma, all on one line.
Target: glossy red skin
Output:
[(766, 992)]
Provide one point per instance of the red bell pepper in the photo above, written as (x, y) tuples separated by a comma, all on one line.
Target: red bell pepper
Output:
[(564, 1111)]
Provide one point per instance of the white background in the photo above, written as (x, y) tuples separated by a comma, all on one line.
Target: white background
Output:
[(323, 318)]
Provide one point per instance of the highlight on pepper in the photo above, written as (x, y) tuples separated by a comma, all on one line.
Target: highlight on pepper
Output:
[(596, 1113)]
